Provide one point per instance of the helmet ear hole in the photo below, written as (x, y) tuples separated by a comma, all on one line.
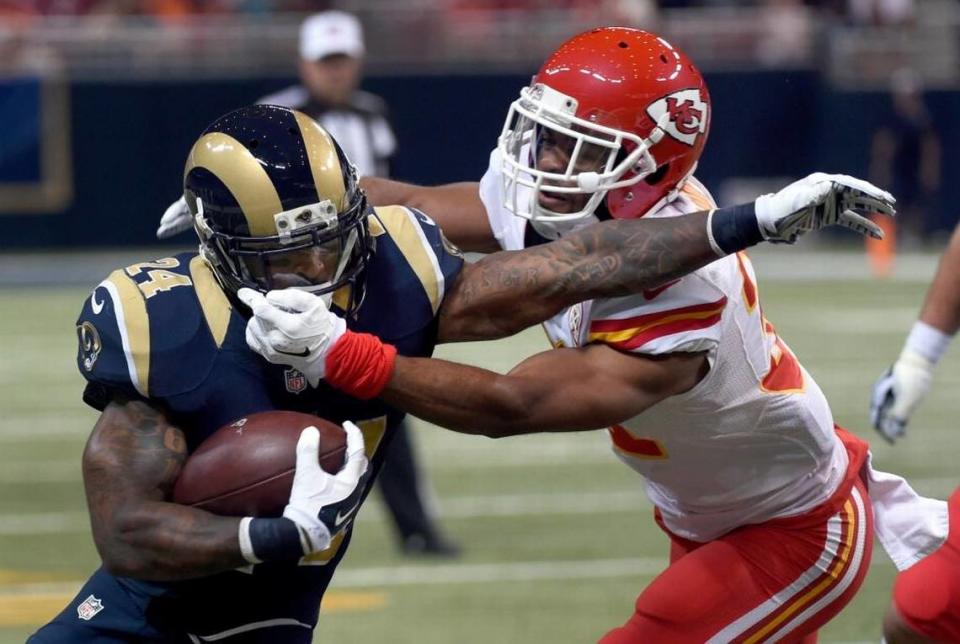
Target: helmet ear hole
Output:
[(655, 177)]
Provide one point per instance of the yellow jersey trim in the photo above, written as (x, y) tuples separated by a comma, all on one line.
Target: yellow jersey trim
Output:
[(213, 301)]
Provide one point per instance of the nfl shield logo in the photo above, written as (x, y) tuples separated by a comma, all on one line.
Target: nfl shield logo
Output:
[(296, 381), (89, 607)]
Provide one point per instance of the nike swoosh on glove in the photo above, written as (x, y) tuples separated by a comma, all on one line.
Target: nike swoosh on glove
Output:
[(321, 504)]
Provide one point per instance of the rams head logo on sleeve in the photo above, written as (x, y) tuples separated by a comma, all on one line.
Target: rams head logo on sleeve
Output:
[(90, 345)]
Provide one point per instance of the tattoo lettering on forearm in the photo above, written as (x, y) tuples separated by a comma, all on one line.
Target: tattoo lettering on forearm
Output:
[(508, 291)]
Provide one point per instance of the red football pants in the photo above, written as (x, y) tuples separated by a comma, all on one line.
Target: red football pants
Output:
[(927, 595), (776, 581)]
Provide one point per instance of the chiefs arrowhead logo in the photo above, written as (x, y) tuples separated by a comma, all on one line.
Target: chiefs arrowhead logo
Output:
[(686, 114)]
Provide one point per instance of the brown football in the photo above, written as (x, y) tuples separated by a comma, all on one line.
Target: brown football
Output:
[(246, 468)]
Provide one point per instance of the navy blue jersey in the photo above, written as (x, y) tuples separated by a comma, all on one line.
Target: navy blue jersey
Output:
[(164, 331)]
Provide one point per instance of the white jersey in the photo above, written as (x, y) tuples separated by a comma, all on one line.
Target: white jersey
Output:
[(754, 440)]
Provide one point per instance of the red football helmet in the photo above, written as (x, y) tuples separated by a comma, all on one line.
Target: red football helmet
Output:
[(631, 113)]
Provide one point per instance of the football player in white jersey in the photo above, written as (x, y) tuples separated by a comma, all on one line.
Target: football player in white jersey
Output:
[(762, 497)]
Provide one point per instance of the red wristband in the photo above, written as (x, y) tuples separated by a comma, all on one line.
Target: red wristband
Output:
[(360, 364)]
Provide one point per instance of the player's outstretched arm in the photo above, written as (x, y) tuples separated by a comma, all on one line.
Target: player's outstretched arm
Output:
[(130, 465), (509, 291), (900, 390), (506, 292), (456, 207), (546, 392)]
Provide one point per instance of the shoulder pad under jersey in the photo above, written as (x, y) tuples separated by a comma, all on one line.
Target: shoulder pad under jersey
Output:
[(408, 276), (154, 327)]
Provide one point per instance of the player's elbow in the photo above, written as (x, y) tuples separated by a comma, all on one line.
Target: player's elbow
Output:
[(509, 411), (121, 560), (124, 546), (120, 566)]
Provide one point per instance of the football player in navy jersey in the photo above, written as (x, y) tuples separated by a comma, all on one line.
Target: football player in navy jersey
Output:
[(279, 215)]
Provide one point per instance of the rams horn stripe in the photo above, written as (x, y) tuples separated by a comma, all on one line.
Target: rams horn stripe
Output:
[(406, 233), (234, 165), (324, 162), (216, 307), (134, 326)]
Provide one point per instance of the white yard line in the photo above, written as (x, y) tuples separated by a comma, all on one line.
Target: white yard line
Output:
[(41, 471), (38, 523), (406, 575), (455, 507), (464, 507), (448, 574), (497, 572)]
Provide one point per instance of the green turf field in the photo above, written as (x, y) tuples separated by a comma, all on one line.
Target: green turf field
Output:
[(559, 538)]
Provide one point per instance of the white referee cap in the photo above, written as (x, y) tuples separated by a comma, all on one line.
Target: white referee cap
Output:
[(331, 32)]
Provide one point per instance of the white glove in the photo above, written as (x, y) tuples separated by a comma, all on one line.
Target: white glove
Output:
[(292, 327), (898, 393), (176, 219), (321, 504), (821, 200)]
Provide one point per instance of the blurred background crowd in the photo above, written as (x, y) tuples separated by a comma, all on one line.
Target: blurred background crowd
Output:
[(101, 98)]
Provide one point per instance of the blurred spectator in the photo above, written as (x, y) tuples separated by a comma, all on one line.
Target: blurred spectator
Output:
[(881, 12), (331, 60), (905, 158), (906, 151), (786, 33), (330, 66)]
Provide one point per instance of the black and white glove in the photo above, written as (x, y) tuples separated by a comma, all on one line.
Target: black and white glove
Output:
[(818, 201), (898, 393), (321, 505), (902, 387), (176, 219)]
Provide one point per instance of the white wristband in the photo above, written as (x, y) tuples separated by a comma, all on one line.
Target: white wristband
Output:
[(929, 341), (710, 238), (246, 547)]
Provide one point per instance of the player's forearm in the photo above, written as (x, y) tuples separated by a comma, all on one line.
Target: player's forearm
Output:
[(941, 309), (510, 291), (465, 399), (168, 542), (386, 192)]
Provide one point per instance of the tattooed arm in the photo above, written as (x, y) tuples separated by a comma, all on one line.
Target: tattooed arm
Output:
[(130, 465), (506, 292)]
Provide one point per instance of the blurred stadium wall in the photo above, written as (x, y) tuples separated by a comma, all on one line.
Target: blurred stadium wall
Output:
[(98, 108)]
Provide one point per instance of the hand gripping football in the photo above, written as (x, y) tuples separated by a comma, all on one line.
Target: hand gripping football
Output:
[(246, 468)]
